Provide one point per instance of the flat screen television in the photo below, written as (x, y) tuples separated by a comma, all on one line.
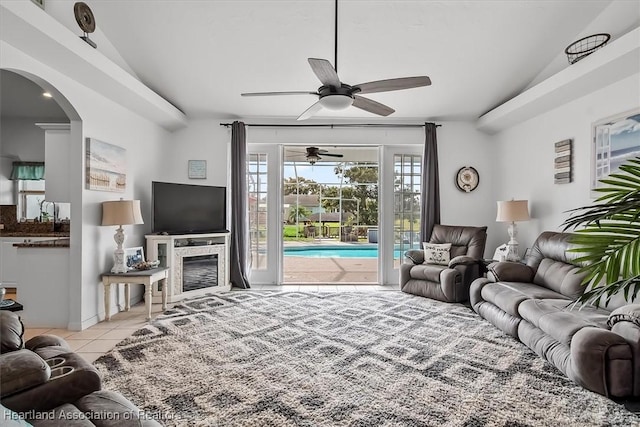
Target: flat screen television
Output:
[(186, 208)]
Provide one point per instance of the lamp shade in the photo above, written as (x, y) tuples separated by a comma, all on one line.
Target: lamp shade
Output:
[(121, 212), (513, 210)]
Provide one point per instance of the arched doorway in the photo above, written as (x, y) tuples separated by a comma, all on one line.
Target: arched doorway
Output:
[(40, 126)]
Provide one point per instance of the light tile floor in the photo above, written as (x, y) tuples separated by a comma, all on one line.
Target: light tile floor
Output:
[(97, 340)]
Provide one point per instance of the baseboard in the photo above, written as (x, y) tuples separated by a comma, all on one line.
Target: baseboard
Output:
[(80, 326)]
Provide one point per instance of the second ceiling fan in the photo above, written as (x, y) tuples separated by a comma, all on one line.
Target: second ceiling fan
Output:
[(335, 95)]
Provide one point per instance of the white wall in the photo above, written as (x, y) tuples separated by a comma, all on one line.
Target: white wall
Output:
[(202, 139), (524, 157), (21, 138), (92, 245)]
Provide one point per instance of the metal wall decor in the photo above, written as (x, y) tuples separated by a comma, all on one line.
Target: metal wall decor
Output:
[(467, 179), (585, 46), (562, 162), (86, 21)]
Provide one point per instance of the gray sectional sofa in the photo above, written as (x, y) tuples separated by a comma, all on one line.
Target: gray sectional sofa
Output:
[(599, 348)]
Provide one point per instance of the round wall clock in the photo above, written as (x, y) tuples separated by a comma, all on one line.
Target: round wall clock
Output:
[(467, 179)]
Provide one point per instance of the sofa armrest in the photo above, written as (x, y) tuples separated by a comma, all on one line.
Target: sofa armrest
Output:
[(626, 313), (41, 341), (48, 346), (416, 256), (601, 362), (506, 271), (11, 332), (463, 260), (21, 370), (71, 378)]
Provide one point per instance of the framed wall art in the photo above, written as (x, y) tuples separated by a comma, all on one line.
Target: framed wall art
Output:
[(197, 169), (106, 166), (614, 140)]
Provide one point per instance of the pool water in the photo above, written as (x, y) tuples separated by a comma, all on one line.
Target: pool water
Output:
[(360, 251)]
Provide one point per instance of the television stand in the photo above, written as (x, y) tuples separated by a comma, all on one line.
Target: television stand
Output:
[(199, 263)]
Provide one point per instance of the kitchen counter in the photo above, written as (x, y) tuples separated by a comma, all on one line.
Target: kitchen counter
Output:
[(55, 243), (41, 234)]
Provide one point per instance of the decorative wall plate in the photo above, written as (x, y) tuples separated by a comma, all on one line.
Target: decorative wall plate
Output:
[(467, 179), (84, 17)]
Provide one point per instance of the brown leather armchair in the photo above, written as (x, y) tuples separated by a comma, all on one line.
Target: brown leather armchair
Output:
[(449, 283)]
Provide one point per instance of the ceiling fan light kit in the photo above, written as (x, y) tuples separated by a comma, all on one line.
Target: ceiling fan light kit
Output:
[(313, 154), (336, 96), (336, 102)]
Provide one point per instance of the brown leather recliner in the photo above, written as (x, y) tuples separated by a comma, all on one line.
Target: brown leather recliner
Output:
[(449, 283), (49, 385)]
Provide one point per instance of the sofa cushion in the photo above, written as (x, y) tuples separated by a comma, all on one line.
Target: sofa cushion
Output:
[(429, 272), (65, 415), (464, 240), (105, 401), (11, 331), (508, 295), (556, 318), (561, 277)]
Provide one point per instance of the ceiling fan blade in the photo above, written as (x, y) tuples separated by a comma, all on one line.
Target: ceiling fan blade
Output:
[(310, 111), (332, 155), (393, 84), (279, 93), (371, 106), (325, 72)]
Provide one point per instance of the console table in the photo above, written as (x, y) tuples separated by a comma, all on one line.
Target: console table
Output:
[(145, 277)]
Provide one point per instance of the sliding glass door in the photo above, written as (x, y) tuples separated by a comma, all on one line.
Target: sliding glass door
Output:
[(386, 217)]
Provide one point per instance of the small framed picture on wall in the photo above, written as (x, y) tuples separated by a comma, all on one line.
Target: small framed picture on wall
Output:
[(197, 169)]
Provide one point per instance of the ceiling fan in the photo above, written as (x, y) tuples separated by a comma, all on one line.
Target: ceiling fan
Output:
[(335, 95), (313, 154)]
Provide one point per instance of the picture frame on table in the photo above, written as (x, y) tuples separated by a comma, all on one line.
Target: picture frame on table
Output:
[(133, 256)]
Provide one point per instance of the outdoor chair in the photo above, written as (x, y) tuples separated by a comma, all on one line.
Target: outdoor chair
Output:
[(447, 265)]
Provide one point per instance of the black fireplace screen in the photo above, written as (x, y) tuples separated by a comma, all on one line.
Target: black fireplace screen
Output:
[(199, 272)]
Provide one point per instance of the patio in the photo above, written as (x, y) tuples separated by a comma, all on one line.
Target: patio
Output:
[(330, 270)]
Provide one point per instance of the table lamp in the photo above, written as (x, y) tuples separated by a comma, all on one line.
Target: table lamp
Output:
[(120, 212), (512, 211)]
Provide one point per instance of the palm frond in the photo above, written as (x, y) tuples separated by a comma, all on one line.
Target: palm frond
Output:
[(608, 243)]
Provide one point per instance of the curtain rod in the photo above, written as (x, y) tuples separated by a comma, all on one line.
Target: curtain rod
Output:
[(339, 125)]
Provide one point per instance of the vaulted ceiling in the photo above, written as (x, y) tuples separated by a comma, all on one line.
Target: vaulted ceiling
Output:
[(200, 55)]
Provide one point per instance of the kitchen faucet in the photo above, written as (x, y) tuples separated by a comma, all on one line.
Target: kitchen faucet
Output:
[(55, 214)]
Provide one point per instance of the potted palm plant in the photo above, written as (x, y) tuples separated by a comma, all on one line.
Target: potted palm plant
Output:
[(607, 235)]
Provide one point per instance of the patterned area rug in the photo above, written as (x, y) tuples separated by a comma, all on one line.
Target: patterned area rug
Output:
[(261, 358)]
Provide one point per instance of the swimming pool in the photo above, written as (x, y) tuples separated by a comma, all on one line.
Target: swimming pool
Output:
[(332, 251)]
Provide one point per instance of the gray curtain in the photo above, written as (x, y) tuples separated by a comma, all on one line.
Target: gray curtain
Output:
[(430, 210), (239, 224)]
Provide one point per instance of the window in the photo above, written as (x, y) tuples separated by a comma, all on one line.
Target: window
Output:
[(407, 194), (257, 205), (30, 195)]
